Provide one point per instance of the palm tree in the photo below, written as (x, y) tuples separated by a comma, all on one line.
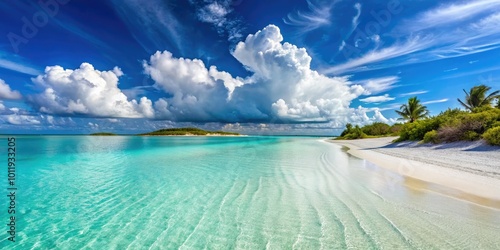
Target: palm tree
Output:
[(476, 97), (413, 110)]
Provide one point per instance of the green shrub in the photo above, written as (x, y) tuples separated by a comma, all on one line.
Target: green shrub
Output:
[(452, 125), (459, 125), (431, 137), (449, 116), (355, 133), (348, 129), (482, 109), (415, 131), (488, 118), (492, 136), (470, 136), (396, 128), (368, 131), (376, 128)]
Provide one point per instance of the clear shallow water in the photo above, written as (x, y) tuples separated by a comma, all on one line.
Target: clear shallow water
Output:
[(225, 193)]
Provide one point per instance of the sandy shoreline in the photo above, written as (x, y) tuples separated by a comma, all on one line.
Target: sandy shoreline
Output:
[(471, 168)]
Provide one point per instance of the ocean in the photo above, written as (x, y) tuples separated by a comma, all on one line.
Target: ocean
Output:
[(251, 192)]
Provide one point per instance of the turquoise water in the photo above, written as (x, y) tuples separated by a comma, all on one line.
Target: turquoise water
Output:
[(82, 192)]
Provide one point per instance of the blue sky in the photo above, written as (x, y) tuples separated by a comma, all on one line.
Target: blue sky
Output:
[(257, 67)]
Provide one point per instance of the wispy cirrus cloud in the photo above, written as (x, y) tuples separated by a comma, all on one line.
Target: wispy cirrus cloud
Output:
[(391, 107), (355, 20), (473, 72), (16, 63), (18, 67), (451, 14), (412, 45), (217, 14), (317, 16), (414, 93), (377, 99), (151, 23), (71, 26), (450, 70), (398, 105), (377, 85), (214, 13), (355, 23), (434, 35), (435, 101)]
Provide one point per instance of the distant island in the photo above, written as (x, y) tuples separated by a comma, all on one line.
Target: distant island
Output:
[(188, 131), (103, 134)]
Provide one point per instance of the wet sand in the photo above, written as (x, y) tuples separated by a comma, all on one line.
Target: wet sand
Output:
[(464, 170)]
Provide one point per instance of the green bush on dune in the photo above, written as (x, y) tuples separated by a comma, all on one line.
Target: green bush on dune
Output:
[(467, 126), (415, 131), (431, 137), (452, 125), (492, 136)]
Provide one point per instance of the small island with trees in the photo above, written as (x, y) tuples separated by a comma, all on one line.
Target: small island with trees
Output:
[(103, 134), (189, 131)]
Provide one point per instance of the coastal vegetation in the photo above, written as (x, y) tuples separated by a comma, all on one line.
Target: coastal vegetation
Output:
[(479, 120), (374, 130), (187, 131), (453, 125)]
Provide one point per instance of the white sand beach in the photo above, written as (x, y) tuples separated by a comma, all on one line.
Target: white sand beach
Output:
[(471, 168)]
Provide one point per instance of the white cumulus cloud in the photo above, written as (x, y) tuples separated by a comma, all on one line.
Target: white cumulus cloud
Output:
[(287, 81), (198, 92), (86, 91), (7, 93), (282, 86), (22, 120)]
